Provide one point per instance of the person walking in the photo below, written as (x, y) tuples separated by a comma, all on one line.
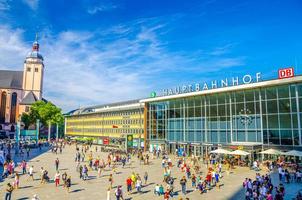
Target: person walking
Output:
[(139, 185), (119, 193), (129, 185), (9, 190), (57, 164), (17, 181), (64, 179), (183, 183), (57, 179), (146, 177), (110, 180), (68, 183)]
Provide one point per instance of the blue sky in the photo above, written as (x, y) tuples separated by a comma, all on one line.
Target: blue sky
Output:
[(105, 51)]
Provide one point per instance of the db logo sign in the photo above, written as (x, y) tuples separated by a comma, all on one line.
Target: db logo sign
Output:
[(286, 73)]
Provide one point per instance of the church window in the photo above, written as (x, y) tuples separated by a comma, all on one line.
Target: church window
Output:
[(28, 69), (13, 108), (36, 69), (3, 107)]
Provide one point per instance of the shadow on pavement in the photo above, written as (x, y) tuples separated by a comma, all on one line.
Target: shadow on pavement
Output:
[(77, 190)]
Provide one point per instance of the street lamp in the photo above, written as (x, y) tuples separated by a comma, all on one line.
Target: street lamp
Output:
[(18, 135)]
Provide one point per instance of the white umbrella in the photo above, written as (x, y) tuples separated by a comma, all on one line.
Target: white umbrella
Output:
[(271, 151), (220, 151), (294, 153), (239, 153)]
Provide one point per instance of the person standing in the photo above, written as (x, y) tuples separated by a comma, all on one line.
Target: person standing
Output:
[(146, 177), (57, 164), (23, 167), (31, 173), (183, 183), (9, 190)]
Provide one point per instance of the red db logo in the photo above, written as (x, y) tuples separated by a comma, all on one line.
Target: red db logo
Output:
[(286, 73)]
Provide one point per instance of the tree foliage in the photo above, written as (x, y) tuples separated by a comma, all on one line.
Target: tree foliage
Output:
[(46, 112)]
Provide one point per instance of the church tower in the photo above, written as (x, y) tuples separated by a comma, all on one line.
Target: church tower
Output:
[(33, 72)]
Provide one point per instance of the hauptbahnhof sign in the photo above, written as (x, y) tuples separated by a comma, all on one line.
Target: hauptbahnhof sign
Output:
[(227, 82)]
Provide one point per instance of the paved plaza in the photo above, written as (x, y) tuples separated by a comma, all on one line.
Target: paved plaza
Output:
[(96, 188)]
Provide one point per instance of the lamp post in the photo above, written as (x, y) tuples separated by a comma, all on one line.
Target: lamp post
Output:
[(57, 132), (49, 130), (17, 136), (37, 130)]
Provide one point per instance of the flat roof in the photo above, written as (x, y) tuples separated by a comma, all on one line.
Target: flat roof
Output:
[(261, 84)]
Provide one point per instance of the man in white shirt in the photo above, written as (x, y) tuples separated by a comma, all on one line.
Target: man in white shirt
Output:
[(31, 173), (280, 172)]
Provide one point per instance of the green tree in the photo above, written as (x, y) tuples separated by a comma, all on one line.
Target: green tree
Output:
[(46, 112), (25, 118)]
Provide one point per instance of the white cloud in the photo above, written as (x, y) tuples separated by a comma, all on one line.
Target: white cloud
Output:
[(100, 8), (33, 4), (12, 48), (121, 63)]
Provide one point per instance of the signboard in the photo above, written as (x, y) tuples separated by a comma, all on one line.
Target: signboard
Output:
[(130, 140), (286, 73), (196, 87), (106, 141)]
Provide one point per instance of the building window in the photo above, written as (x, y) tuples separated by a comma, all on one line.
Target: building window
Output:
[(3, 107), (36, 70), (27, 109), (28, 69), (13, 108)]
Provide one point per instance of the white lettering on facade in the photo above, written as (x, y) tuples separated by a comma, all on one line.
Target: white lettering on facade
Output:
[(247, 79), (258, 77), (205, 86), (235, 81), (224, 83), (197, 87), (184, 88), (214, 84)]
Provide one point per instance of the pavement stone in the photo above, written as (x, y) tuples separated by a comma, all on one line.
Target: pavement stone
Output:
[(96, 188)]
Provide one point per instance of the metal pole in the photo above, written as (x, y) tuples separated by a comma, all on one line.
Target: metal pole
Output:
[(57, 132), (37, 130), (126, 145), (49, 129), (17, 137)]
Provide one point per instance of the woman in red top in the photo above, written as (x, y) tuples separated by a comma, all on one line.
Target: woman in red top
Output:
[(129, 185)]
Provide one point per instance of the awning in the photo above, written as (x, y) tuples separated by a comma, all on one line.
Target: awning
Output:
[(220, 151), (294, 153), (272, 151), (239, 153)]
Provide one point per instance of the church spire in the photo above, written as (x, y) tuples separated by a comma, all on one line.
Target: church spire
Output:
[(36, 44)]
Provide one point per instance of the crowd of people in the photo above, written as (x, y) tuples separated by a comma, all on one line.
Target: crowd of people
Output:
[(178, 171)]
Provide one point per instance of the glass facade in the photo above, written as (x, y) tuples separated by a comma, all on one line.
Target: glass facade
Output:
[(266, 115)]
